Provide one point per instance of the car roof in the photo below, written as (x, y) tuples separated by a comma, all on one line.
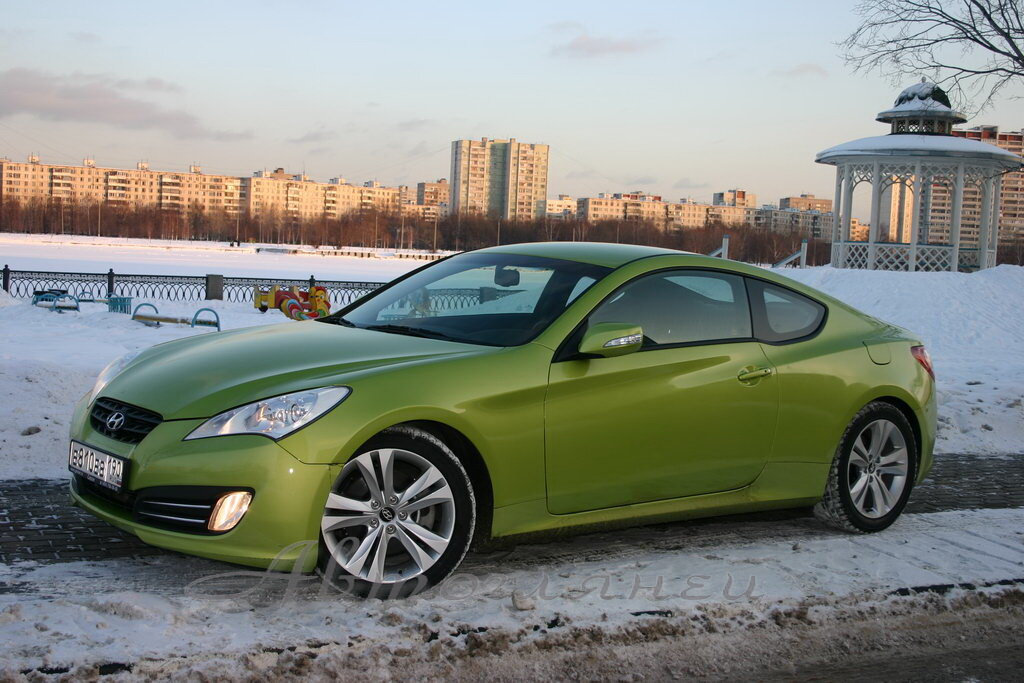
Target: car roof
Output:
[(597, 253)]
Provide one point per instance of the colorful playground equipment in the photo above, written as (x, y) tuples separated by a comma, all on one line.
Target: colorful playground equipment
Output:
[(294, 303), (154, 319), (57, 300)]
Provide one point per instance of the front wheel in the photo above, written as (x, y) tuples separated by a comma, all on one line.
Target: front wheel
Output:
[(399, 518), (873, 471)]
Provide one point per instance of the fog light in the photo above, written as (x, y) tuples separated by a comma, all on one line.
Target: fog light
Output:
[(229, 510)]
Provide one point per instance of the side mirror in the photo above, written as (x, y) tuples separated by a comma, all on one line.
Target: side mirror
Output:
[(611, 339)]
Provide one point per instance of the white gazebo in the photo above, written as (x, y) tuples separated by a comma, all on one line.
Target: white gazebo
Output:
[(920, 176)]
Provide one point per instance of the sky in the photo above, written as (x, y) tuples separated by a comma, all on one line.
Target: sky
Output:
[(679, 98)]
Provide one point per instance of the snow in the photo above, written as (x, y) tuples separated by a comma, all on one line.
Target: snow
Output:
[(85, 254), (727, 575), (928, 145), (972, 324)]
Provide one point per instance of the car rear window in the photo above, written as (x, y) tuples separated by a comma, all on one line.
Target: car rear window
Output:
[(782, 315)]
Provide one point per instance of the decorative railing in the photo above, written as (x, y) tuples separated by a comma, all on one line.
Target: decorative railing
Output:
[(899, 256), (22, 283)]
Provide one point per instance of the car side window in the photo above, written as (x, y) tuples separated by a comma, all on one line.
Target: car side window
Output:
[(681, 307), (782, 315)]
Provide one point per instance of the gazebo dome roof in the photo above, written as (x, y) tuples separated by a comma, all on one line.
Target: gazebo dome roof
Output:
[(922, 100), (920, 146)]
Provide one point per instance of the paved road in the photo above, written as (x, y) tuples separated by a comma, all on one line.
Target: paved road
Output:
[(37, 522)]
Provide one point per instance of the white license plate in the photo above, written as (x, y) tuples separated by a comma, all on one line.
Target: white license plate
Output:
[(105, 469)]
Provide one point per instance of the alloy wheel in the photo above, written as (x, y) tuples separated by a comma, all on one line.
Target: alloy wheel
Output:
[(389, 517), (877, 469)]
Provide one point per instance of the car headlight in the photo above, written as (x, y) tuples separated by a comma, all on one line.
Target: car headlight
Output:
[(111, 371), (274, 417)]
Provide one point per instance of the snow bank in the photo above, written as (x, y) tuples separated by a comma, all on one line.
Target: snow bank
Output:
[(769, 573)]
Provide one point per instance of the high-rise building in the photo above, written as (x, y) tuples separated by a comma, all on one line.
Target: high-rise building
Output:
[(735, 198), (806, 202), (1011, 204), (499, 178)]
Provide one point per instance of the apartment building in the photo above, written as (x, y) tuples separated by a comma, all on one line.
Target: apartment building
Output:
[(1011, 206), (688, 214), (500, 178), (433, 194), (806, 202), (277, 193), (141, 186), (560, 209), (735, 198)]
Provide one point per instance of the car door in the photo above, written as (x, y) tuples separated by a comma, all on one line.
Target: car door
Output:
[(692, 412)]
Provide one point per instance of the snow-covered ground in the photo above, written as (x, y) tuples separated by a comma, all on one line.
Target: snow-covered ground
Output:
[(84, 254), (716, 578)]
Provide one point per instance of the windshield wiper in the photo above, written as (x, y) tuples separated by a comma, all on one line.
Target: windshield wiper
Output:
[(413, 332), (340, 320)]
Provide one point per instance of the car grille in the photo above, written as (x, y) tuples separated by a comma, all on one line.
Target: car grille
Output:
[(176, 508), (138, 422)]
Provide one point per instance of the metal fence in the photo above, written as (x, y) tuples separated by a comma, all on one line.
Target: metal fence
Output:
[(22, 283)]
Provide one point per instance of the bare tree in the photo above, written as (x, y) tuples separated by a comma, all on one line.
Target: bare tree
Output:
[(973, 48)]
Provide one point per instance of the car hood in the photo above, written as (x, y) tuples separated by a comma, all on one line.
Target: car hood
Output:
[(201, 376)]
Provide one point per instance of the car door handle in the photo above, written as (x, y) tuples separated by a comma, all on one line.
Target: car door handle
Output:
[(748, 375)]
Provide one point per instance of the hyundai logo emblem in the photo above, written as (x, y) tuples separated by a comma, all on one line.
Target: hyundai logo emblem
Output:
[(387, 514), (115, 421)]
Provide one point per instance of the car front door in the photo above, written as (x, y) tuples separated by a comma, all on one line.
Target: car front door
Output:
[(693, 412)]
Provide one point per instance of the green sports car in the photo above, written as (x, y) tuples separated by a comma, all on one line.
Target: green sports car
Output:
[(514, 390)]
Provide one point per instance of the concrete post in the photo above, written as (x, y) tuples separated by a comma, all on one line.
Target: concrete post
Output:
[(214, 287)]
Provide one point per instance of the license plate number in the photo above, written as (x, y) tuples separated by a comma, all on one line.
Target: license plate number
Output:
[(105, 469)]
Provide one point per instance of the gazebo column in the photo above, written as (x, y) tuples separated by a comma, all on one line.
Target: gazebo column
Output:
[(847, 208), (986, 217), (954, 219), (876, 203), (838, 246), (915, 217), (993, 226)]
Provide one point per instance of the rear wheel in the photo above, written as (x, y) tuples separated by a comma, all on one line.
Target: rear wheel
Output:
[(873, 471), (399, 518)]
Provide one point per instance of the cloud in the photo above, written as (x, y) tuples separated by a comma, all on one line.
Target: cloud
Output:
[(687, 184), (414, 124), (84, 37), (801, 70), (581, 175), (313, 136), (583, 45), (91, 98), (642, 180)]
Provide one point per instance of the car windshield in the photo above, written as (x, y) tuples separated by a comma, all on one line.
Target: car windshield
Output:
[(477, 298)]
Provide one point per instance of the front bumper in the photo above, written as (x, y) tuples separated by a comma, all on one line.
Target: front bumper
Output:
[(280, 524)]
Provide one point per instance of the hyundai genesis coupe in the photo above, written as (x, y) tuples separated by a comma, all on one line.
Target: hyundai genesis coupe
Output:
[(522, 389)]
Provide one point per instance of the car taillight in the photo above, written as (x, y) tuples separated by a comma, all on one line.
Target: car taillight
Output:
[(921, 354)]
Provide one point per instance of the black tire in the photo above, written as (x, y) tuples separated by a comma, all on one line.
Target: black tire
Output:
[(837, 507), (432, 449)]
